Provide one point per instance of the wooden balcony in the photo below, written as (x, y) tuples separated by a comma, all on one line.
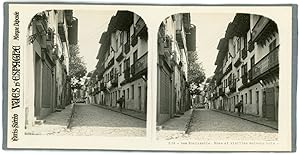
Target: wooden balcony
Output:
[(103, 86), (221, 91), (50, 39), (140, 28), (126, 47), (265, 64), (228, 69), (140, 65), (180, 38), (250, 45), (238, 62), (127, 73), (41, 22), (244, 53), (110, 63), (114, 81), (134, 39), (232, 86), (120, 56), (245, 78), (61, 32), (258, 28)]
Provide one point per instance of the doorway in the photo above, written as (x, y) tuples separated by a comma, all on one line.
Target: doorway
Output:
[(269, 103), (140, 98)]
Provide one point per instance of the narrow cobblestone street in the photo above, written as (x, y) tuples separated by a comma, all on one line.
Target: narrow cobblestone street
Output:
[(209, 125), (92, 120)]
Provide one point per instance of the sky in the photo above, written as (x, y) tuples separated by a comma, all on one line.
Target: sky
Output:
[(210, 28), (91, 24)]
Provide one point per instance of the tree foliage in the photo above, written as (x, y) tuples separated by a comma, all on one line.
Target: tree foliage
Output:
[(196, 73), (208, 80), (77, 66)]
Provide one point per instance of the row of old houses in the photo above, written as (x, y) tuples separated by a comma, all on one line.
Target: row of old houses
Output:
[(176, 37), (46, 71), (247, 67), (122, 64)]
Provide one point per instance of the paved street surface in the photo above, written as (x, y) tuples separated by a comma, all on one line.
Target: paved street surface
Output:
[(90, 120), (209, 125), (174, 128), (55, 123)]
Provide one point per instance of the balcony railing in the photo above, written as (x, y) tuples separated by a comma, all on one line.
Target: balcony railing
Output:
[(250, 45), (228, 69), (110, 63), (266, 63), (180, 37), (41, 22), (61, 32), (227, 90), (126, 47), (232, 86), (50, 39), (134, 39), (132, 70), (102, 86), (140, 64), (114, 81), (258, 28), (120, 56), (250, 73), (244, 53), (139, 26), (245, 78), (221, 92), (127, 73), (237, 62)]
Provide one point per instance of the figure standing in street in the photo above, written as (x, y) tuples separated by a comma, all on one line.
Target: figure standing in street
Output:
[(121, 102), (239, 107)]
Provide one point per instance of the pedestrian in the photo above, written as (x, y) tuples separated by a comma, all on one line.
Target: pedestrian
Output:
[(239, 107), (121, 102)]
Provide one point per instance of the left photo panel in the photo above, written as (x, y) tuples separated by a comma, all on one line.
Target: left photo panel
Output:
[(85, 73)]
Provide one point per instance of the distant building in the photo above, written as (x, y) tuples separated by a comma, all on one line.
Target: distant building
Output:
[(176, 37), (47, 63), (248, 67), (122, 63)]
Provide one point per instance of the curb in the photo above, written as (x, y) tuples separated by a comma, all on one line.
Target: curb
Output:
[(71, 117), (189, 123), (266, 125), (118, 112)]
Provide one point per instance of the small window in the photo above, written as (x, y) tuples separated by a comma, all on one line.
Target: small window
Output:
[(121, 38), (127, 93), (250, 96), (252, 60), (120, 69), (135, 56), (132, 91), (238, 41)]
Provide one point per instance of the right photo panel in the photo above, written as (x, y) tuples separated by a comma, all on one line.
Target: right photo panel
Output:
[(218, 77)]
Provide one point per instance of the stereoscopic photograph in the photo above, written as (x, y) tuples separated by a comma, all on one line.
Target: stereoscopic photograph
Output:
[(149, 77), (218, 79), (86, 73)]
